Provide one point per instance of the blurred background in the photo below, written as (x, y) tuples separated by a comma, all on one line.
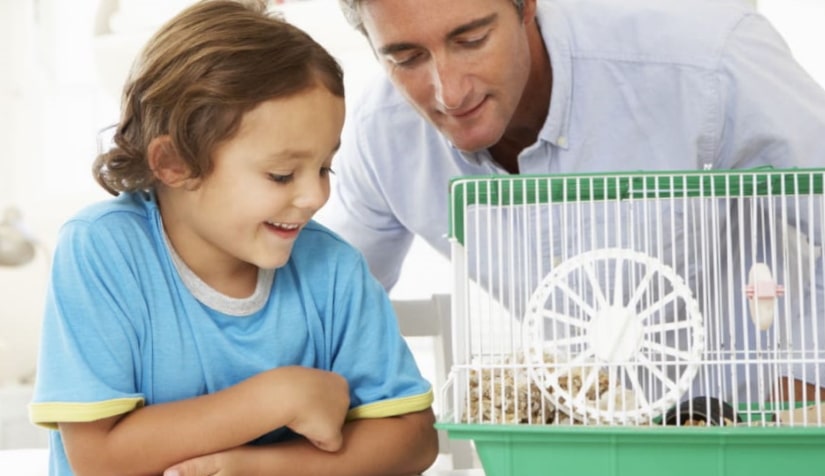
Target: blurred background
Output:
[(63, 64)]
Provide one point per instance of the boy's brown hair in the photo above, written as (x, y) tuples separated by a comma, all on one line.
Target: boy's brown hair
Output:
[(195, 79)]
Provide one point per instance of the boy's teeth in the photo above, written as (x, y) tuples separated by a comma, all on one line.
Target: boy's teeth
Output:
[(285, 226)]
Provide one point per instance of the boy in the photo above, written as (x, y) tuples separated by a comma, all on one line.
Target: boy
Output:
[(202, 309)]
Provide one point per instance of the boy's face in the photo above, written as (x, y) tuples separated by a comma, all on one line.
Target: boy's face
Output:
[(267, 182), (463, 64)]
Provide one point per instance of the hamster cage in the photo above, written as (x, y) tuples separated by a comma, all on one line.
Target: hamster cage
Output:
[(639, 323)]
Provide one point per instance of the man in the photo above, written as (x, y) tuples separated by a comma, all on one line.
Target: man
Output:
[(557, 86), (476, 87)]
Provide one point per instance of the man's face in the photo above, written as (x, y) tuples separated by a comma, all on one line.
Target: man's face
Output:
[(463, 64)]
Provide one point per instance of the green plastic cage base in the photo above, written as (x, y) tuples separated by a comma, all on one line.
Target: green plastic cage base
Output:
[(547, 450)]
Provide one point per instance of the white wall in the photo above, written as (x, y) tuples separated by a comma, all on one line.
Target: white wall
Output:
[(50, 85), (20, 288), (19, 87), (802, 23), (41, 133)]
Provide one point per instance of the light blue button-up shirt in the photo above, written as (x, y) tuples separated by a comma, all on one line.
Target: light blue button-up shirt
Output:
[(637, 85)]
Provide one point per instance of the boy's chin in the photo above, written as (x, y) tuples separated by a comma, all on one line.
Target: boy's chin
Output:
[(273, 262)]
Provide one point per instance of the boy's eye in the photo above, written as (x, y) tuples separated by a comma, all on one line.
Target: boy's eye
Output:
[(326, 171), (281, 178)]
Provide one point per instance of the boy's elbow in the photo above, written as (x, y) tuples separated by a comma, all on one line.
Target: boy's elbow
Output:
[(82, 467), (96, 467), (427, 439)]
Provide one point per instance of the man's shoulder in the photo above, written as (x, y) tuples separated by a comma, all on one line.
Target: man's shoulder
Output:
[(691, 32), (599, 14), (378, 101)]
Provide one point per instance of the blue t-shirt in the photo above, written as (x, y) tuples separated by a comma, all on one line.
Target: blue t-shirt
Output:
[(122, 329)]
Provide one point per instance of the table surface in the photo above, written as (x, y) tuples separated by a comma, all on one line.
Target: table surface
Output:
[(35, 462), (454, 472), (25, 462)]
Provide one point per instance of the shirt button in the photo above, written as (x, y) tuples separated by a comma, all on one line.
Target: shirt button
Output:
[(562, 141)]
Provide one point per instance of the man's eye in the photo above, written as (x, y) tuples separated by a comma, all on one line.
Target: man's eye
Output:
[(474, 42), (326, 171), (281, 178), (406, 60)]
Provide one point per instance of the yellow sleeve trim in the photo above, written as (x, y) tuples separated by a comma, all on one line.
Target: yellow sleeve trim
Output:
[(51, 413), (394, 407)]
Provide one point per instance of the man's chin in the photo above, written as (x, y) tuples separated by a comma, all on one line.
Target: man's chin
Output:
[(470, 145)]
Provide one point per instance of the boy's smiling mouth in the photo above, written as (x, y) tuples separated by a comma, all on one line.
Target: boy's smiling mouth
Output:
[(285, 230), (283, 226)]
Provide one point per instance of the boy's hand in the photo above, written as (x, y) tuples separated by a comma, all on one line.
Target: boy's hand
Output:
[(207, 465), (232, 462), (318, 401), (316, 404)]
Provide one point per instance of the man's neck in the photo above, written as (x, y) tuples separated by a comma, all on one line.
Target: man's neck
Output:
[(506, 151), (532, 109)]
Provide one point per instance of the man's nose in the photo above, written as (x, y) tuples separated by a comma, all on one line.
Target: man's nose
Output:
[(450, 84)]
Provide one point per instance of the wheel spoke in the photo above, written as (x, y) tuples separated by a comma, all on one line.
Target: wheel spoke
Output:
[(657, 372), (576, 298), (569, 341), (658, 305), (638, 389), (612, 385), (594, 283), (663, 349), (587, 383), (563, 369), (667, 326), (581, 358), (641, 289), (563, 318), (618, 282), (565, 372)]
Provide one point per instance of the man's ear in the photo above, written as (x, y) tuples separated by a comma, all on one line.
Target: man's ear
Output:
[(166, 164)]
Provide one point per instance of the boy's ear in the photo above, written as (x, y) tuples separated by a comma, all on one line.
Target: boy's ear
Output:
[(166, 164)]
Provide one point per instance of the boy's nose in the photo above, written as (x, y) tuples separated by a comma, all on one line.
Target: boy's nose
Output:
[(312, 194)]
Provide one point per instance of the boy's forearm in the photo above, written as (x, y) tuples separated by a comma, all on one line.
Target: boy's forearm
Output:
[(402, 445), (152, 438)]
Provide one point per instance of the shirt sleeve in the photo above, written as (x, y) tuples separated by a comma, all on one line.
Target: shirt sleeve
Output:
[(774, 111), (359, 212), (86, 367), (369, 351)]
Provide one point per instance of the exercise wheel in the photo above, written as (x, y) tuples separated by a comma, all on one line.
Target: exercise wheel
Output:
[(613, 335)]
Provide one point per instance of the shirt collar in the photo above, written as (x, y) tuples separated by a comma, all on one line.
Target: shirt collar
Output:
[(555, 33)]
